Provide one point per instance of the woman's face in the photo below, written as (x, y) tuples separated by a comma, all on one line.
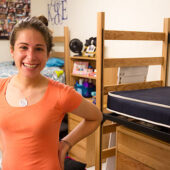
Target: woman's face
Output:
[(29, 52)]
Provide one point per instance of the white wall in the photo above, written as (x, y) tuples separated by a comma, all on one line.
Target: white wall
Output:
[(5, 51), (145, 15)]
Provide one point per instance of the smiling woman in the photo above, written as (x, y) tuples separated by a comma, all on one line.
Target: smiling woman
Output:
[(32, 106), (30, 53)]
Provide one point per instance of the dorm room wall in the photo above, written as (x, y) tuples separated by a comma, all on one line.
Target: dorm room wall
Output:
[(120, 14)]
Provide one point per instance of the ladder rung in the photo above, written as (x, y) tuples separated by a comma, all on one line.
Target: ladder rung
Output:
[(109, 128), (109, 152)]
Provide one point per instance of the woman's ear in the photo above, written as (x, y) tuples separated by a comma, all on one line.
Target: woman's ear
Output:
[(12, 51), (48, 56)]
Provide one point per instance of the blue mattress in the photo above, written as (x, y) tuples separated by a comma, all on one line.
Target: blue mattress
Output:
[(149, 105)]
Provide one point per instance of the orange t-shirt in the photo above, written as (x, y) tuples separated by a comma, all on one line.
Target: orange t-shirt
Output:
[(30, 135)]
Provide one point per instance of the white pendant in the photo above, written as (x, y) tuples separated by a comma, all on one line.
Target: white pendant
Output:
[(23, 102)]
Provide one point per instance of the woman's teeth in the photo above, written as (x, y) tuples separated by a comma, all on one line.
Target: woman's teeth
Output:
[(30, 65)]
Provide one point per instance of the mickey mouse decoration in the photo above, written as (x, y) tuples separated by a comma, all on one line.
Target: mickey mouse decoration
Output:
[(90, 47)]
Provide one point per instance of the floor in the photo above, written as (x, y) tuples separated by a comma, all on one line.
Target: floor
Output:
[(93, 168)]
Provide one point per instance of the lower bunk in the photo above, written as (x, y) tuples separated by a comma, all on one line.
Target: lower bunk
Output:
[(143, 134)]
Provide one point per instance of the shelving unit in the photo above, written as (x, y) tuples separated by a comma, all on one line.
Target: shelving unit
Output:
[(74, 77), (83, 76), (84, 151)]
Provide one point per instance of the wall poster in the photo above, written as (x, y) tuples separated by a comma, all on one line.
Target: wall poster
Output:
[(11, 11)]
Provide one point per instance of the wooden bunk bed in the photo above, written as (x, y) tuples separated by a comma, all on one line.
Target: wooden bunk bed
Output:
[(64, 54), (137, 146)]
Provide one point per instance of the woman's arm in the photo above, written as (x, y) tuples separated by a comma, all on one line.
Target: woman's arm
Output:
[(92, 118)]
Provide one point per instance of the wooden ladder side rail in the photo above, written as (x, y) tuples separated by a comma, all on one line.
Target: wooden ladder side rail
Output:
[(168, 54), (99, 84), (165, 51), (66, 54), (133, 86)]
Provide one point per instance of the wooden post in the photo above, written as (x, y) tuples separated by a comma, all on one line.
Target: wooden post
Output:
[(66, 54), (99, 84), (165, 52), (167, 31)]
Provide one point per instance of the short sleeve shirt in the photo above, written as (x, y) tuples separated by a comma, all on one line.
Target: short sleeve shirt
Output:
[(30, 135)]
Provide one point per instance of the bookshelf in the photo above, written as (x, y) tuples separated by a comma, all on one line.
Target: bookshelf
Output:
[(84, 151)]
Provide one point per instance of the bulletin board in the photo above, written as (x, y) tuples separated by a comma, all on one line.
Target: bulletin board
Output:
[(11, 11)]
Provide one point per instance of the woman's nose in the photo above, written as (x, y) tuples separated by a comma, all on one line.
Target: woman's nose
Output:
[(31, 54)]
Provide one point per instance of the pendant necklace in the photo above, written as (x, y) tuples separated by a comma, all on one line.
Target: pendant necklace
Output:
[(23, 102)]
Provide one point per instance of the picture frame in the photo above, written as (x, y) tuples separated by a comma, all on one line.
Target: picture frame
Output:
[(80, 67), (11, 11)]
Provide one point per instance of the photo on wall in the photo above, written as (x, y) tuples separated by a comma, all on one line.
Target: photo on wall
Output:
[(11, 11)]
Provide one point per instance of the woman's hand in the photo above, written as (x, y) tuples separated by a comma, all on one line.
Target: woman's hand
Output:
[(62, 151)]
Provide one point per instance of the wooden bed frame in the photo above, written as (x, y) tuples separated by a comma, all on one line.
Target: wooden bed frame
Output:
[(64, 54), (156, 153)]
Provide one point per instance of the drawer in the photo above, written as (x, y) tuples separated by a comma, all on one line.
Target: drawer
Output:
[(125, 162), (145, 149)]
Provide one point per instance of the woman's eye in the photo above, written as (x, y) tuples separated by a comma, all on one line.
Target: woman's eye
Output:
[(39, 49), (23, 47)]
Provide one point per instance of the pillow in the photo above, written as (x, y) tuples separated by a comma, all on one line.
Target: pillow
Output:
[(71, 164), (55, 62)]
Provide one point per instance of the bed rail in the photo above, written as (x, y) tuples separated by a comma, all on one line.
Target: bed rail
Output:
[(129, 62), (132, 86), (133, 35)]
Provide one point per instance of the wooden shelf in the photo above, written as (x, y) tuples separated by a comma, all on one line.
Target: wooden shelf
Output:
[(87, 146), (82, 58), (83, 76)]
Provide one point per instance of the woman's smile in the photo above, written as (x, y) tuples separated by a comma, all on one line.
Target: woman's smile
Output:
[(30, 65), (30, 53)]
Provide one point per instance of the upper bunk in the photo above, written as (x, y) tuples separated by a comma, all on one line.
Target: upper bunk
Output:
[(125, 101)]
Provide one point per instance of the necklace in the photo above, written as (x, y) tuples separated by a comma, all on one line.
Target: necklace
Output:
[(23, 102)]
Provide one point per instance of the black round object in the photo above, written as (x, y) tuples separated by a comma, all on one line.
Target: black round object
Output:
[(76, 46)]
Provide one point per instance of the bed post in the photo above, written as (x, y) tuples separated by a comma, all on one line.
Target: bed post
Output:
[(99, 85), (66, 54), (166, 53)]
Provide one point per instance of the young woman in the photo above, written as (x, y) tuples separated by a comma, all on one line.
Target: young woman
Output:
[(32, 106)]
